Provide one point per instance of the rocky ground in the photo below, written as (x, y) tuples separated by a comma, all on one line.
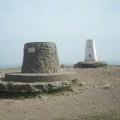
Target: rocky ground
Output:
[(97, 92)]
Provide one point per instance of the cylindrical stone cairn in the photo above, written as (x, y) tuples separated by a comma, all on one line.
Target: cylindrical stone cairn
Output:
[(40, 57)]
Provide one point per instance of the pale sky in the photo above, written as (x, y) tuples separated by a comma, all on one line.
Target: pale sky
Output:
[(68, 23)]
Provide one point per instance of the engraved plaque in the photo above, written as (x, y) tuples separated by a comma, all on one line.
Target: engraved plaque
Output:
[(31, 50)]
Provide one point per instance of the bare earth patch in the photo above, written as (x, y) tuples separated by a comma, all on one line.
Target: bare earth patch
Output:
[(97, 92)]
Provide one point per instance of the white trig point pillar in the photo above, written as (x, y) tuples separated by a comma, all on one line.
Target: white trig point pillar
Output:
[(90, 52)]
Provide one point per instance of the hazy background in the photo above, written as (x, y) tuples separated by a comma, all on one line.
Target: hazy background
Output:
[(67, 22)]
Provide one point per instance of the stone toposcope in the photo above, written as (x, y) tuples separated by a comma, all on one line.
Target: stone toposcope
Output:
[(40, 57), (40, 68)]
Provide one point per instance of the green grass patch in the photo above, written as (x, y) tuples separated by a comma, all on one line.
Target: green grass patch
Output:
[(112, 116)]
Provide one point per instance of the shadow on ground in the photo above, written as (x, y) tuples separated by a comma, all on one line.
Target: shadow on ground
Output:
[(30, 95)]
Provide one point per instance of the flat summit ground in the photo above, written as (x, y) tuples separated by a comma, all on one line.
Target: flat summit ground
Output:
[(97, 92)]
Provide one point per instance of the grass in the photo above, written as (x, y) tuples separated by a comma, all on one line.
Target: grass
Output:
[(112, 116)]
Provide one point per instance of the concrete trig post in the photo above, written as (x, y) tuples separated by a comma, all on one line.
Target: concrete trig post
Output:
[(90, 52)]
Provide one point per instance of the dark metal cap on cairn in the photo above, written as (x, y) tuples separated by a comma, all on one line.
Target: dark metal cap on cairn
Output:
[(40, 57)]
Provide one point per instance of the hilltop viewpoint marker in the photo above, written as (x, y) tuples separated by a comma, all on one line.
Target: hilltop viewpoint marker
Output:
[(90, 52), (40, 71), (91, 59)]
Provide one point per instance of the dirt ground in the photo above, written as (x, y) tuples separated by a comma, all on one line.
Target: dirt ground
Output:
[(97, 92)]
